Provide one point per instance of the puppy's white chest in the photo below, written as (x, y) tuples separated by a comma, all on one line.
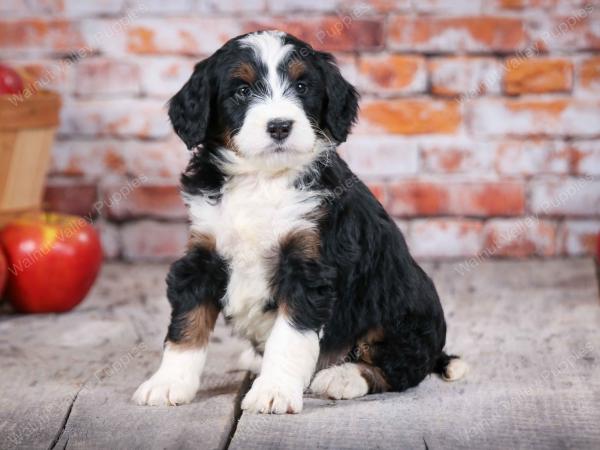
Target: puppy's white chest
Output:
[(254, 214)]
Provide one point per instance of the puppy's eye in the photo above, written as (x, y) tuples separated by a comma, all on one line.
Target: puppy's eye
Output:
[(243, 91), (301, 87)]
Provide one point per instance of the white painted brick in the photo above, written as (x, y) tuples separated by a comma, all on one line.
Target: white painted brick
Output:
[(381, 156), (445, 238), (565, 196), (580, 237)]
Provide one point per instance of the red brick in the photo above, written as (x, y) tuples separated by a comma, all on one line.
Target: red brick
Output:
[(531, 117), (153, 241), (187, 36), (410, 116), (539, 75), (453, 34), (70, 197), (331, 33), (95, 159), (445, 238), (44, 74), (526, 236), (379, 190), (585, 157), (575, 30), (565, 196), (138, 118), (77, 8), (157, 201), (532, 5), (531, 157), (391, 74), (434, 198), (580, 237), (514, 158), (372, 7), (456, 75), (589, 74), (381, 156), (452, 155), (34, 35), (107, 76), (89, 159)]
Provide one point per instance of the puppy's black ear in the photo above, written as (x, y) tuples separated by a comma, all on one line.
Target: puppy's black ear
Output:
[(189, 109), (341, 108)]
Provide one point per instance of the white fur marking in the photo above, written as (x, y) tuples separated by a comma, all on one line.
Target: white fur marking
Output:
[(275, 101), (250, 360), (288, 364), (254, 213), (176, 381), (455, 370), (340, 382)]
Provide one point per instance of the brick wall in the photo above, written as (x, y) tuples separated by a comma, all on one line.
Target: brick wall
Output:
[(479, 131)]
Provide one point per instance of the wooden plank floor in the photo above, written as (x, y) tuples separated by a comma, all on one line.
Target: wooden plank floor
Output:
[(530, 331)]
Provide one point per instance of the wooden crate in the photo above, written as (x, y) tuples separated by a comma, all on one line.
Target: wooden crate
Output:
[(26, 133)]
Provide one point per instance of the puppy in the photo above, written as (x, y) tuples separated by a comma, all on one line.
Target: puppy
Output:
[(296, 252)]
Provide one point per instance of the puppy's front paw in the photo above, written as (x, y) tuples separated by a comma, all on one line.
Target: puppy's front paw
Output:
[(159, 391), (268, 396)]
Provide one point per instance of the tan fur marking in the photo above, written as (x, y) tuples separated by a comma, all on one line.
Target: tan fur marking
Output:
[(374, 377), (229, 142), (245, 72), (202, 240), (296, 69), (306, 242), (331, 359), (367, 344), (199, 323)]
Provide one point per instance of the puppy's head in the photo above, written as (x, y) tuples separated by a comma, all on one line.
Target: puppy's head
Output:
[(266, 97)]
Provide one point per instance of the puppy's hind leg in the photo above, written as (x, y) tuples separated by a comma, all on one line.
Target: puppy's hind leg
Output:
[(348, 380)]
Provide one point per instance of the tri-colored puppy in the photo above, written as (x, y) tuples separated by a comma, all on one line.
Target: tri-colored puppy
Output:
[(285, 240)]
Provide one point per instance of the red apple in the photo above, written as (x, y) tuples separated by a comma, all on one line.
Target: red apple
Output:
[(53, 261), (10, 81), (3, 272)]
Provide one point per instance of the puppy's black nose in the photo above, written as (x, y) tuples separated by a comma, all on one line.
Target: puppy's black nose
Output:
[(279, 129)]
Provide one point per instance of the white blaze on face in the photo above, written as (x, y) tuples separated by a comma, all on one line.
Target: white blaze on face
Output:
[(276, 100)]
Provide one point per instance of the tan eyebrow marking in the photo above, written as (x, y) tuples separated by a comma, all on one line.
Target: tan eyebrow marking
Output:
[(245, 72), (296, 69)]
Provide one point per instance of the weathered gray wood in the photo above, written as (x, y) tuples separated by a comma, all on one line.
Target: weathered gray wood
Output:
[(530, 330), (66, 379), (103, 417), (531, 333)]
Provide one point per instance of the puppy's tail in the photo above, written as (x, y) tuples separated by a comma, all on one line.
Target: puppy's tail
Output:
[(450, 367)]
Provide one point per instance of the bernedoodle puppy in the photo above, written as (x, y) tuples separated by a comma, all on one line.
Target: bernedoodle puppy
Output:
[(287, 242)]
